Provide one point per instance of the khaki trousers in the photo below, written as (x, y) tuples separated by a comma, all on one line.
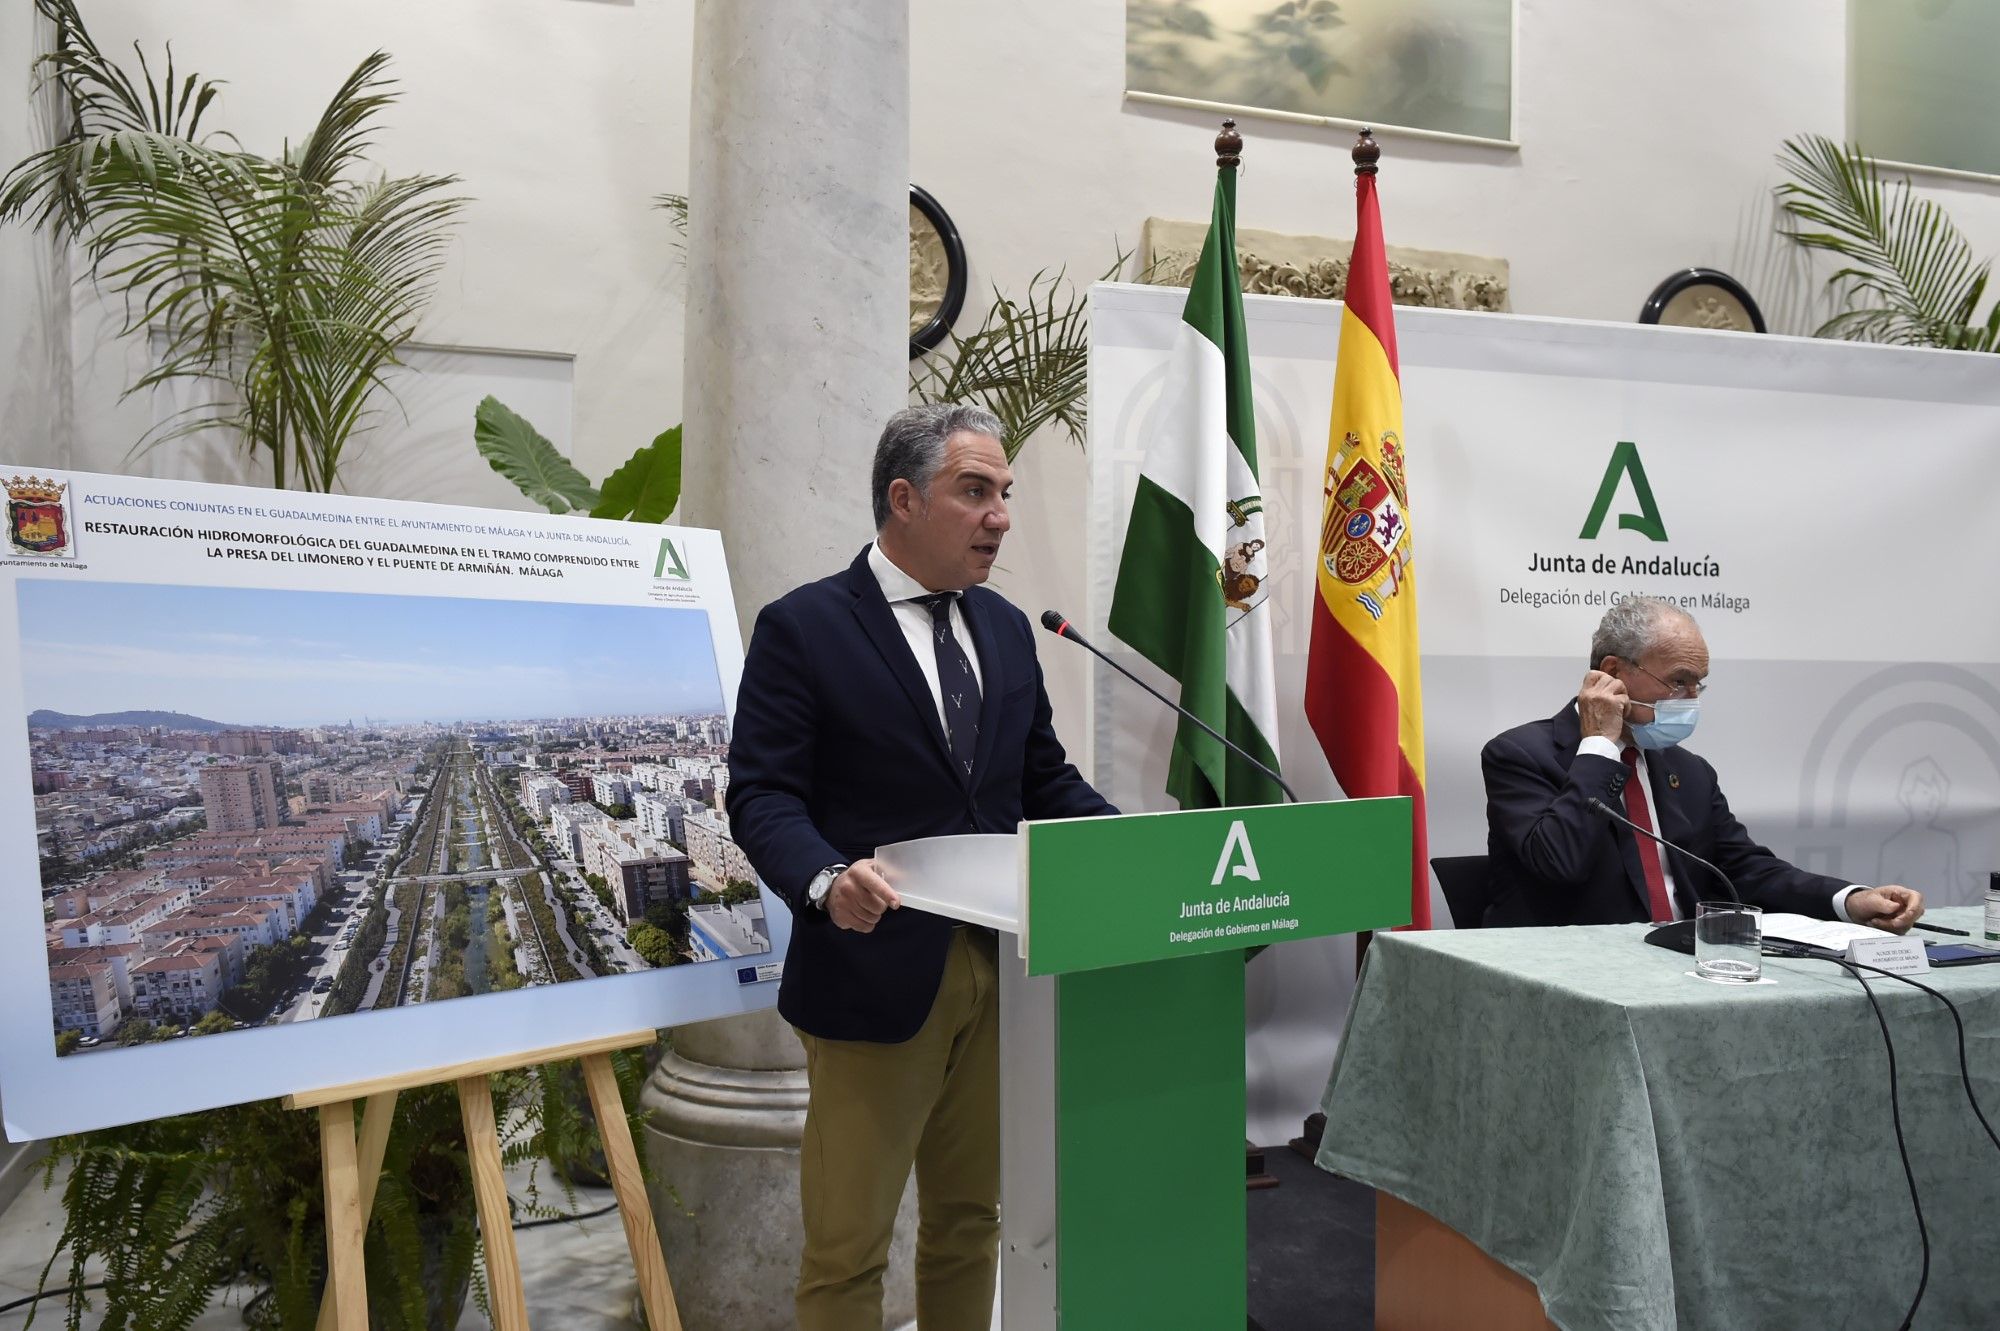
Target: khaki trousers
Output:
[(876, 1110)]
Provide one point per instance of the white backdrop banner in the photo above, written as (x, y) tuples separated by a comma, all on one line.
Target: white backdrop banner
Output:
[(1829, 513), (284, 773)]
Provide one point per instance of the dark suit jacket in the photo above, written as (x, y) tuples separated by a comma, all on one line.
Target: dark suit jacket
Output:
[(838, 749), (1554, 861)]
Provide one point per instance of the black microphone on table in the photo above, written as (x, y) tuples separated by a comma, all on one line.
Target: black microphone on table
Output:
[(1054, 622), (1678, 936)]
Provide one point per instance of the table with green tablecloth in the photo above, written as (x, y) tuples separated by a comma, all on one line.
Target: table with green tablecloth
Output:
[(1657, 1151)]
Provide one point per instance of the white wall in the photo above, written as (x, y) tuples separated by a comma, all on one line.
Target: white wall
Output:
[(563, 117), (1647, 131), (1648, 138)]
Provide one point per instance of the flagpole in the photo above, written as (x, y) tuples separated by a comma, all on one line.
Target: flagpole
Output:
[(1195, 561), (1366, 154)]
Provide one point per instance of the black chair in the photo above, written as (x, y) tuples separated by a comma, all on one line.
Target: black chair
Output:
[(1467, 890)]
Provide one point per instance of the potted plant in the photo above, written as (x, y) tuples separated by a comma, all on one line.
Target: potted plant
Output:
[(181, 1209), (1908, 276), (288, 282)]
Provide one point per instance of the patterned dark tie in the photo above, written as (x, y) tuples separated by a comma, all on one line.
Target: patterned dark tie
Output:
[(958, 687)]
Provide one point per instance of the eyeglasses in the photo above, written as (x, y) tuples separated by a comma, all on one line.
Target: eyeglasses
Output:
[(1694, 690)]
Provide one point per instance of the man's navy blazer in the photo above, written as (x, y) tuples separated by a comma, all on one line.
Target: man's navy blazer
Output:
[(838, 749), (1554, 861)]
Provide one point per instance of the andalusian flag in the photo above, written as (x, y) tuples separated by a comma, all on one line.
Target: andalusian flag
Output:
[(1363, 693), (1192, 592)]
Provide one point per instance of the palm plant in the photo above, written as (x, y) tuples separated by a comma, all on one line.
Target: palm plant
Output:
[(289, 283), (675, 206), (1909, 276), (1027, 362)]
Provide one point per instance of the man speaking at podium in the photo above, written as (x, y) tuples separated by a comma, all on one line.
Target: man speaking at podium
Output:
[(894, 700), (1555, 860)]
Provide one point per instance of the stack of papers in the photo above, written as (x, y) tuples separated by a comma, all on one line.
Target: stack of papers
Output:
[(1834, 935)]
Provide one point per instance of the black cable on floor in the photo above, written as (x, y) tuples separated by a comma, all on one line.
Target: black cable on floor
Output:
[(565, 1219), (45, 1294)]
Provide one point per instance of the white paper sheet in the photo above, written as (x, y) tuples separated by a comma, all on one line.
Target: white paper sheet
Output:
[(1833, 934), (972, 878)]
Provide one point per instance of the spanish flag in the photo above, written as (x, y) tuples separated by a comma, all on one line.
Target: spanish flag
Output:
[(1363, 691)]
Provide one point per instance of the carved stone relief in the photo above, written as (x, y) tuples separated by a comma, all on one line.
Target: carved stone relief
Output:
[(930, 270), (1272, 263)]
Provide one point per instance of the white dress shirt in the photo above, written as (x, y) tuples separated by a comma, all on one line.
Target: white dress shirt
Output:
[(900, 590), (1611, 749)]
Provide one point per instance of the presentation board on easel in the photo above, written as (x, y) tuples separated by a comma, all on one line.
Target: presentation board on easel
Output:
[(313, 790)]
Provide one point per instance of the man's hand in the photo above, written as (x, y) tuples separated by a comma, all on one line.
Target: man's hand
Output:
[(860, 895), (1600, 707), (1893, 907)]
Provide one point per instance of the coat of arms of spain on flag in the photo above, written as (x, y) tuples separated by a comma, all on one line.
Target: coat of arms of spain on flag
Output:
[(1365, 542)]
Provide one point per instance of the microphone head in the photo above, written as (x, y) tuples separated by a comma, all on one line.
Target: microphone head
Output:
[(1054, 622)]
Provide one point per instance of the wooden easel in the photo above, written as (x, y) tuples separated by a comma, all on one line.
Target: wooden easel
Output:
[(352, 1172)]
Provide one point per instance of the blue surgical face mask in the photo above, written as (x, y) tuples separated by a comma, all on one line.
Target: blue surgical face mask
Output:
[(1673, 721)]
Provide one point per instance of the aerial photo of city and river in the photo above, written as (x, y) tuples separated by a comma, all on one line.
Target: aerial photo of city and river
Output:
[(209, 868)]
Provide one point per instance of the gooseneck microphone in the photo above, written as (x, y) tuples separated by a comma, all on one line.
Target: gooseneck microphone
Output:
[(1599, 806), (1056, 624), (1677, 936)]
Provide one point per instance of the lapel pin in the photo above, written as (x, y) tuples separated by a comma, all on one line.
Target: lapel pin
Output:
[(1673, 780)]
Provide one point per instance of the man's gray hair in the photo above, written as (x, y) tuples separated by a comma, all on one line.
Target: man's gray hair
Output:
[(1630, 628), (912, 446)]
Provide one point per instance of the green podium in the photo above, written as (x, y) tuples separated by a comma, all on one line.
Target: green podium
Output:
[(1121, 1020)]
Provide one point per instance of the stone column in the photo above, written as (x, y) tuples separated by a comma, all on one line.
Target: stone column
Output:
[(797, 351)]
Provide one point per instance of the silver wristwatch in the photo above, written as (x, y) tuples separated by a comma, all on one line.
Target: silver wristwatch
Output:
[(822, 883)]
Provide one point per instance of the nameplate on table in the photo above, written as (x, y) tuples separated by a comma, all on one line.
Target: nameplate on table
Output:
[(1902, 956)]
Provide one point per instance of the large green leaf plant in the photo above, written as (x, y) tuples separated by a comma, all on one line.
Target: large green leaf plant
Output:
[(645, 489)]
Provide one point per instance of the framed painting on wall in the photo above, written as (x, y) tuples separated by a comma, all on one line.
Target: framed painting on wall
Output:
[(1918, 76), (1441, 69)]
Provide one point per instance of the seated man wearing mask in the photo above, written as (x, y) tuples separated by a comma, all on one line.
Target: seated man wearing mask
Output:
[(1555, 861)]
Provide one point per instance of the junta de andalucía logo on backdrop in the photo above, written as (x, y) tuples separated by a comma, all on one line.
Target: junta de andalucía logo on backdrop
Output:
[(1626, 493), (1626, 466)]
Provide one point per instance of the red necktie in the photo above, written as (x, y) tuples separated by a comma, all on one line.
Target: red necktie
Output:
[(1649, 851)]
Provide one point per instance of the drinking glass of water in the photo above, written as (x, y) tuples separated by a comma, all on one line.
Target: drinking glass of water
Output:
[(1728, 941)]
